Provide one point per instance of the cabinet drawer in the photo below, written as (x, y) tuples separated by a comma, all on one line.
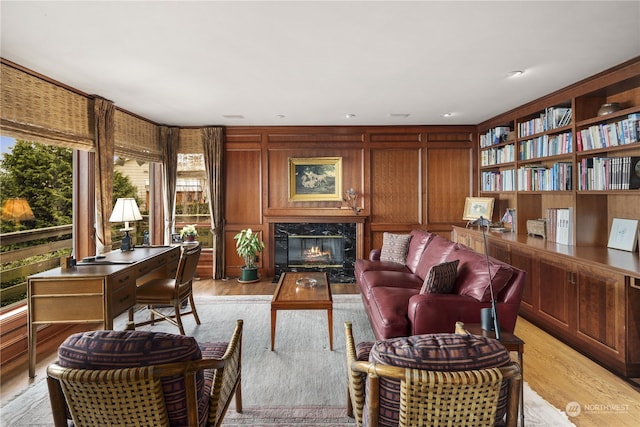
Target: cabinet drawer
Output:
[(125, 279), (122, 299), (66, 308), (64, 287)]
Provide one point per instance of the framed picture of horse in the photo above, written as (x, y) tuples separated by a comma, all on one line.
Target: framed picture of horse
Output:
[(315, 179)]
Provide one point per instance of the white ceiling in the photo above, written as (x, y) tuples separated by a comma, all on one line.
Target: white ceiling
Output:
[(192, 63)]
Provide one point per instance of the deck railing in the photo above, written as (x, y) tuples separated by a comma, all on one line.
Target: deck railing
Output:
[(49, 245)]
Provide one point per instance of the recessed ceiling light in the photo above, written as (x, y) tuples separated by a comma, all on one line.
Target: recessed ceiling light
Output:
[(447, 114), (515, 74), (280, 116), (402, 115), (350, 116), (233, 116)]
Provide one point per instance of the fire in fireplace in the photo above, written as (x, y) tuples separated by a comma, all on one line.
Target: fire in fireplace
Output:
[(315, 251)]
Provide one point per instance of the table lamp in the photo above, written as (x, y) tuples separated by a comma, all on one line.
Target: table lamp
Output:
[(125, 210), (17, 210)]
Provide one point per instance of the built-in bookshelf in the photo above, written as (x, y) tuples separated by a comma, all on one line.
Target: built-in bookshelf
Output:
[(577, 168), (566, 155)]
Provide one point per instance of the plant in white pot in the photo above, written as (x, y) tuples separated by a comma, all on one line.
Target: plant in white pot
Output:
[(248, 245), (189, 233)]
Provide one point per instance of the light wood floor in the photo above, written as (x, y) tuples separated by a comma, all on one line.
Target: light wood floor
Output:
[(556, 372)]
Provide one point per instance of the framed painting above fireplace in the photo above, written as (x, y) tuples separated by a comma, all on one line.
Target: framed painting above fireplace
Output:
[(315, 179)]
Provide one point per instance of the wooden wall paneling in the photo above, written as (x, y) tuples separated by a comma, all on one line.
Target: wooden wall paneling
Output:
[(449, 182), (395, 186)]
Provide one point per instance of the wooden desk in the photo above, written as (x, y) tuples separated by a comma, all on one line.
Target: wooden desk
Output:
[(93, 292), (512, 343)]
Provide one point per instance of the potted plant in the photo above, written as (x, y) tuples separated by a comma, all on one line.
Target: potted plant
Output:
[(189, 233), (248, 245)]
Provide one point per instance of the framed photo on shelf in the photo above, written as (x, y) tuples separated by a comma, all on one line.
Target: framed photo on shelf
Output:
[(476, 207), (624, 234), (316, 179), (176, 238)]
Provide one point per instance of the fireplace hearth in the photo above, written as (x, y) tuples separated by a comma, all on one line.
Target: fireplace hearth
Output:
[(324, 247)]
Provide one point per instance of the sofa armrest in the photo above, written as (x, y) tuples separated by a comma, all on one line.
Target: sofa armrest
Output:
[(374, 255), (438, 313)]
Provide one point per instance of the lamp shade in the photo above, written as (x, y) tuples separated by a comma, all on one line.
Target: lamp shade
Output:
[(125, 210), (17, 210)]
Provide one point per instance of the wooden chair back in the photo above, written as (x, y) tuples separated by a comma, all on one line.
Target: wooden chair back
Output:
[(134, 396), (459, 398)]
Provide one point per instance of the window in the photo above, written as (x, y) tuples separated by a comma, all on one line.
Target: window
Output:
[(192, 201), (37, 211)]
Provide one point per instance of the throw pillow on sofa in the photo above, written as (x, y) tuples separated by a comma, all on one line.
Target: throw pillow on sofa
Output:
[(441, 278), (395, 247)]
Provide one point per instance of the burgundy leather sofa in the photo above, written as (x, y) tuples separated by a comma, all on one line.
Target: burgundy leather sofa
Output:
[(391, 292)]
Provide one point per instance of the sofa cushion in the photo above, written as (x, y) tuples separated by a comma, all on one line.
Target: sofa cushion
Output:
[(419, 241), (364, 265), (436, 352), (388, 311), (396, 279), (394, 247), (129, 349), (473, 274), (441, 278), (435, 253)]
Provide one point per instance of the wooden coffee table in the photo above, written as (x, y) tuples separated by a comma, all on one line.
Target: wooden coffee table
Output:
[(290, 296)]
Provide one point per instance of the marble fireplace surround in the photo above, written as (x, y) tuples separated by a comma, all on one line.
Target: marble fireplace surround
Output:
[(351, 228)]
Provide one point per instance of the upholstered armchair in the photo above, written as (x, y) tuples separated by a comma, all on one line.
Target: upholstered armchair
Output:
[(431, 380), (144, 378)]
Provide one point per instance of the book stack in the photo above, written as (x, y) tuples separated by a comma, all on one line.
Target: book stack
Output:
[(609, 173), (499, 180), (560, 226), (552, 118), (546, 145), (606, 135), (494, 136), (538, 178), (496, 156)]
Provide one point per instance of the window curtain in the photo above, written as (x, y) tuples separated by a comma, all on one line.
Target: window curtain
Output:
[(103, 113), (169, 138), (213, 142)]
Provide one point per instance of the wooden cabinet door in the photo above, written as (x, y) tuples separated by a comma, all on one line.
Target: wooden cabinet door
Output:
[(526, 260), (557, 296), (499, 251), (601, 314)]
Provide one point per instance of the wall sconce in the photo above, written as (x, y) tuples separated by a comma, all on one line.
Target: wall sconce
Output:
[(125, 210), (351, 198), (17, 210)]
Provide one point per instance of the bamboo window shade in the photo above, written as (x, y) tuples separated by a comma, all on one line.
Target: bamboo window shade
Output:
[(36, 109), (136, 138), (190, 141), (41, 110)]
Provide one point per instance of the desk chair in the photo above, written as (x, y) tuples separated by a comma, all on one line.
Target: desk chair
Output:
[(170, 291)]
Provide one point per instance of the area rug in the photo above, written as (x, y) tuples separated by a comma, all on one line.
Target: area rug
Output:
[(300, 383)]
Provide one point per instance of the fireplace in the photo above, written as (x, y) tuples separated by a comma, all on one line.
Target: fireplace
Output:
[(316, 247)]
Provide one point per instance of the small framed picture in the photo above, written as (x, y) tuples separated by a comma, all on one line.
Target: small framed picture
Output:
[(476, 207), (624, 234), (176, 238)]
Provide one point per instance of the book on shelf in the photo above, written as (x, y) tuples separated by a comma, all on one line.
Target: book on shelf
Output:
[(560, 226), (609, 173)]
